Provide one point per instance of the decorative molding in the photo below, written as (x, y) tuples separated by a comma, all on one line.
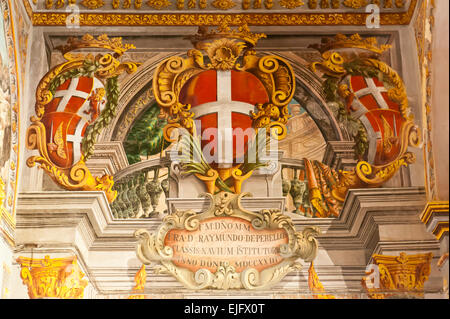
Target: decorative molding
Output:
[(132, 113), (108, 158), (291, 4), (159, 4), (52, 278), (93, 4), (56, 18), (355, 4), (223, 4), (423, 27), (8, 189), (340, 155), (436, 217), (364, 227)]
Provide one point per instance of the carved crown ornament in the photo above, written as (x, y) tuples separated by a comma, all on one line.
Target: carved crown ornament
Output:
[(75, 100), (52, 277), (224, 5), (227, 247)]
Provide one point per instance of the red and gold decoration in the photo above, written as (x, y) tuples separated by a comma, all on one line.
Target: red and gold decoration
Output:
[(403, 275), (52, 277), (370, 98), (235, 89), (75, 100)]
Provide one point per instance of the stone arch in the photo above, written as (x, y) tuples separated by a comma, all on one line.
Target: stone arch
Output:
[(132, 88)]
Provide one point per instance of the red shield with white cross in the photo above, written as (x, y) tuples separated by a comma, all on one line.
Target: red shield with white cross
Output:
[(222, 102), (76, 104), (380, 116)]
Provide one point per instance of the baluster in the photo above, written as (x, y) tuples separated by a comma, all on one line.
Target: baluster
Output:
[(155, 190), (165, 186), (128, 207), (113, 207), (143, 195), (132, 196), (286, 184), (120, 205), (297, 191)]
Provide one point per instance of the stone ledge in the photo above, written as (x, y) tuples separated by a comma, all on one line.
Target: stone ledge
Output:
[(82, 222)]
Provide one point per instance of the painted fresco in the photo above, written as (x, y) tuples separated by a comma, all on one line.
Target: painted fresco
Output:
[(237, 157), (8, 112), (5, 104)]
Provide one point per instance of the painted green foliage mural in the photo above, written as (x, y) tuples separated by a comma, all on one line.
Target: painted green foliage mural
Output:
[(146, 136)]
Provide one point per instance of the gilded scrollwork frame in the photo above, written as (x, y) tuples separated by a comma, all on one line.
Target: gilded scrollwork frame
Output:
[(301, 245)]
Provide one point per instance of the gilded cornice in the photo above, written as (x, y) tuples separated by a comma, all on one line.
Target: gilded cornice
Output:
[(440, 211), (212, 13)]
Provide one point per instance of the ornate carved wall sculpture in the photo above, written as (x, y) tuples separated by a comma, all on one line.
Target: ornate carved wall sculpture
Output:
[(400, 276), (205, 250), (52, 278), (369, 98), (74, 101), (235, 90)]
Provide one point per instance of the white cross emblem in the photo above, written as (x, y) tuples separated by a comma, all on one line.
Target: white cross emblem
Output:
[(76, 139), (375, 91), (224, 107), (67, 94)]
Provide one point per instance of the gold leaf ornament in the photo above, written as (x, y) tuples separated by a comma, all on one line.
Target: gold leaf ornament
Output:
[(159, 4), (93, 4), (355, 4), (223, 4), (291, 4)]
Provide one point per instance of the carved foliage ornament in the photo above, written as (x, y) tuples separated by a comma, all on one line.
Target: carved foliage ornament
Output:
[(291, 4), (158, 4), (223, 4), (72, 106), (203, 250)]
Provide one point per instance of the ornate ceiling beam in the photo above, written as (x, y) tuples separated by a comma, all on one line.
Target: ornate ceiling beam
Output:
[(214, 15)]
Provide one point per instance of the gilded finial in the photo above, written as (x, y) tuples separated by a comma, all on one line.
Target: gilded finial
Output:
[(102, 41)]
